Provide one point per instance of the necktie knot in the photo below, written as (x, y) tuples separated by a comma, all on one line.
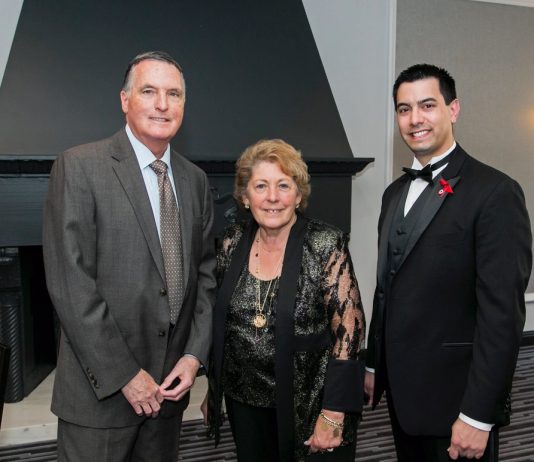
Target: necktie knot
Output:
[(159, 167)]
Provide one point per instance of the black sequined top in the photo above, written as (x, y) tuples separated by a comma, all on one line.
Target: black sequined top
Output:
[(248, 376)]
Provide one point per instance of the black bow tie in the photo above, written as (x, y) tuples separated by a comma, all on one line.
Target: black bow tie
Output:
[(426, 172)]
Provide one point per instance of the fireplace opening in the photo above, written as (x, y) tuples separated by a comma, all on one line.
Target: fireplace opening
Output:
[(27, 320)]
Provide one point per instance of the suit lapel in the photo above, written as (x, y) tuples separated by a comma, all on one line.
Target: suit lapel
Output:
[(435, 200), (183, 193), (129, 174)]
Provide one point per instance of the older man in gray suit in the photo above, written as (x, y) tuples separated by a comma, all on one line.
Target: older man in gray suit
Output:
[(130, 269)]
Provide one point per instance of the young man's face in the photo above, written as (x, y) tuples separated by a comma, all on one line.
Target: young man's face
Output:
[(424, 119)]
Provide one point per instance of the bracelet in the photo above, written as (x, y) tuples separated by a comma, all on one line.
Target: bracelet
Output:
[(331, 422)]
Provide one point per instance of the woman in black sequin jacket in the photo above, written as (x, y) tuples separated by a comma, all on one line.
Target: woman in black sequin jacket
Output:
[(288, 323)]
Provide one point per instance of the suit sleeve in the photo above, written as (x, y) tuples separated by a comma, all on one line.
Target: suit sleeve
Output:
[(70, 254), (503, 244), (199, 341), (370, 354), (375, 326), (343, 384)]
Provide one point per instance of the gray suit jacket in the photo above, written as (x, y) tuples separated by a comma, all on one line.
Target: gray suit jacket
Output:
[(105, 275)]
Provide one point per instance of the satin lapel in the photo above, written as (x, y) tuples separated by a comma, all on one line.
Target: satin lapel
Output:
[(183, 193), (285, 338), (435, 200), (385, 230), (239, 257), (129, 174)]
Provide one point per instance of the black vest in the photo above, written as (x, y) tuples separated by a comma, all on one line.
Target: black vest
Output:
[(402, 228)]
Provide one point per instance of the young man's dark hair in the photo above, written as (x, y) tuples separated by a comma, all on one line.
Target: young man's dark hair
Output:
[(447, 87)]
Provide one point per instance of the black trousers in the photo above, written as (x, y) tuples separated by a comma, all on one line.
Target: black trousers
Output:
[(432, 448), (255, 435)]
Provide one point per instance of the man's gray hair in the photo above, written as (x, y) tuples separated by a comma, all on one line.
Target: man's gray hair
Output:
[(152, 55)]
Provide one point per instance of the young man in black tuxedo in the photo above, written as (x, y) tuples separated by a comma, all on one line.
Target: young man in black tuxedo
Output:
[(454, 258)]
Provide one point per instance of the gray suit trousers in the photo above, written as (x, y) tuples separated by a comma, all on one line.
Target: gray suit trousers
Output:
[(154, 440)]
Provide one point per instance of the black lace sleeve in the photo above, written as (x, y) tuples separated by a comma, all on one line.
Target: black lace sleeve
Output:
[(344, 377), (342, 299)]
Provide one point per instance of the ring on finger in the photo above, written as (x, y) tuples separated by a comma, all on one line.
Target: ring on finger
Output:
[(330, 449)]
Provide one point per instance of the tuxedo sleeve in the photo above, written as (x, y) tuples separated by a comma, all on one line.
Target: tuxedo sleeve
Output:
[(503, 244), (376, 321), (344, 376), (70, 253), (375, 326)]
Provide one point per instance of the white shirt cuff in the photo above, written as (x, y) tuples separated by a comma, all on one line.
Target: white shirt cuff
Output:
[(370, 369), (189, 355), (475, 423)]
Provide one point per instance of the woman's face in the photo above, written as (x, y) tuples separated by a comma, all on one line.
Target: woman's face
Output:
[(272, 196)]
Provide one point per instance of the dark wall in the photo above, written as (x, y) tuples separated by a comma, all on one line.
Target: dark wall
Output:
[(252, 71)]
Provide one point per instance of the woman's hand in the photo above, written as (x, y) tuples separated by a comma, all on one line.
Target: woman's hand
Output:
[(326, 435), (204, 409)]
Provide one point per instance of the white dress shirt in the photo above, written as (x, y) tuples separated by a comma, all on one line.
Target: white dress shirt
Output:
[(418, 185)]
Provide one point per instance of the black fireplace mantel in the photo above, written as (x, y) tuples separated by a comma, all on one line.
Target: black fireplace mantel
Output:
[(24, 182), (41, 165)]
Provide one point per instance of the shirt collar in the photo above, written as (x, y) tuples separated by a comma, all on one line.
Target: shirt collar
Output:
[(417, 165), (144, 155)]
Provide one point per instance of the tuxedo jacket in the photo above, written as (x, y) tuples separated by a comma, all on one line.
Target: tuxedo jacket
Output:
[(447, 324), (105, 275)]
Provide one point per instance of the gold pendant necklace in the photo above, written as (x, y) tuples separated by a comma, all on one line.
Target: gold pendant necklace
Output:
[(260, 318)]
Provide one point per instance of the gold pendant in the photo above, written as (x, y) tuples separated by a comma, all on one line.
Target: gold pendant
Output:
[(259, 320), (336, 432)]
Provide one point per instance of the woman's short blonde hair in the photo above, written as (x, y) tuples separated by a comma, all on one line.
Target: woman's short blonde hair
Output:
[(276, 151)]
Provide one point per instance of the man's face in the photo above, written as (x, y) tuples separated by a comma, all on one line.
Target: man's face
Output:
[(154, 104), (424, 119)]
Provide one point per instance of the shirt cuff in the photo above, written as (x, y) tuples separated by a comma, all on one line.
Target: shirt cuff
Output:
[(475, 423), (370, 369), (189, 355)]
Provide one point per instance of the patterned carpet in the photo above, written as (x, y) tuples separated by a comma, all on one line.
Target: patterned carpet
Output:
[(375, 443)]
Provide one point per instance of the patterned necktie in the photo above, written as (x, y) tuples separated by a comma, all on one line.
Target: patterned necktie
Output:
[(171, 240)]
